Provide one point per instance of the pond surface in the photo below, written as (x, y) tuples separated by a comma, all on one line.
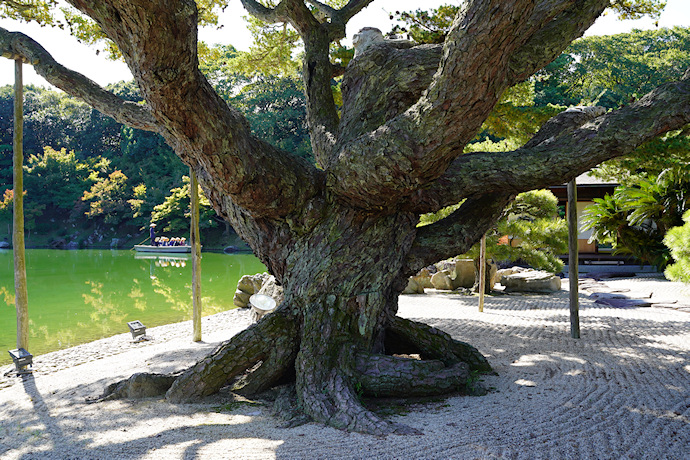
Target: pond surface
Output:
[(80, 296)]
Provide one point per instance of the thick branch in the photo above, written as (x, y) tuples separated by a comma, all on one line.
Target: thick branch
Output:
[(353, 7), (549, 41), (486, 50), (326, 10), (404, 73), (159, 43), (381, 167), (266, 14), (558, 156), (15, 45), (456, 233)]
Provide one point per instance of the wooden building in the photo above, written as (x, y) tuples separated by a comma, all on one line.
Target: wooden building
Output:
[(588, 188)]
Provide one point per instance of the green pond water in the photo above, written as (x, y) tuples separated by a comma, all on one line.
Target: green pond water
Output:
[(80, 296)]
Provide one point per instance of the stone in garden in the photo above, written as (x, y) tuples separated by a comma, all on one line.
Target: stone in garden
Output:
[(271, 288), (413, 287), (464, 273), (531, 281), (261, 283), (442, 281), (423, 279), (248, 286)]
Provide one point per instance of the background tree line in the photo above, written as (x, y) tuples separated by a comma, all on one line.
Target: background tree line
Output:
[(89, 175)]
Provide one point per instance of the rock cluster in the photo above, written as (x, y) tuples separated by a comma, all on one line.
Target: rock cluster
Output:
[(447, 275), (453, 274)]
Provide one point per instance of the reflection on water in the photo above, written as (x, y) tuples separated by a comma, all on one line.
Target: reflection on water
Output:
[(80, 296)]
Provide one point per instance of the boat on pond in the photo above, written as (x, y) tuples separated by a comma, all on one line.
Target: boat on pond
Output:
[(163, 249)]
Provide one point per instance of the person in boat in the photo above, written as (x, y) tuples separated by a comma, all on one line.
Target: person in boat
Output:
[(152, 234)]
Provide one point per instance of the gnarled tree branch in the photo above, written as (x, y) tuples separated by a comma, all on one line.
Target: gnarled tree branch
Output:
[(406, 73), (264, 13), (558, 153), (551, 39), (487, 43), (15, 45), (416, 147), (456, 233), (216, 140)]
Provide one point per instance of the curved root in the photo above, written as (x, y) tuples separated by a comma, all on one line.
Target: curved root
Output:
[(407, 336), (382, 375), (257, 343)]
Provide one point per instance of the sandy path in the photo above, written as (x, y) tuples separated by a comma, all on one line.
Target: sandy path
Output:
[(622, 391)]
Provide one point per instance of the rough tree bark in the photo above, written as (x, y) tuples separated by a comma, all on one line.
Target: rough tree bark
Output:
[(342, 238)]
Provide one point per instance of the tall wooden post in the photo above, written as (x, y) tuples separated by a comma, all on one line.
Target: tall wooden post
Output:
[(482, 271), (573, 232), (196, 255), (21, 296)]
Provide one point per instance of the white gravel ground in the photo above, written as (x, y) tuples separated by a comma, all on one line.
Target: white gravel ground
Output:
[(621, 391)]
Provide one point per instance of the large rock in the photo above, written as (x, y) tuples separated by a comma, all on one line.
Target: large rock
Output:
[(528, 280), (261, 283), (248, 286), (423, 279), (455, 273), (447, 275), (271, 288), (442, 280), (464, 273), (413, 287)]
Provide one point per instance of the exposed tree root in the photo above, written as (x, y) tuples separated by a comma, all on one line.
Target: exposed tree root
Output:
[(139, 385), (407, 336), (331, 377), (270, 340), (381, 375), (286, 406), (328, 394)]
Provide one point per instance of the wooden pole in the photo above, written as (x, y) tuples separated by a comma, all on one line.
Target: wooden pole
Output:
[(21, 296), (573, 261), (482, 271), (196, 255)]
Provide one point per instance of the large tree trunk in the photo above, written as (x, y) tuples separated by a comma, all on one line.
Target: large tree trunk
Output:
[(341, 285)]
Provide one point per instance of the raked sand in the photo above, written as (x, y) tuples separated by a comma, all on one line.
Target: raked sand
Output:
[(621, 391)]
